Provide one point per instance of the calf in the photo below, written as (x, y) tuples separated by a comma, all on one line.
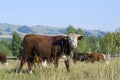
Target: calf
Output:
[(3, 58), (99, 57)]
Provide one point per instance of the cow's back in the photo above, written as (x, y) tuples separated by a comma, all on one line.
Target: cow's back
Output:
[(97, 56), (35, 39), (38, 43)]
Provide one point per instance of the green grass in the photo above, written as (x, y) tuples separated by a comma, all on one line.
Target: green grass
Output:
[(78, 71)]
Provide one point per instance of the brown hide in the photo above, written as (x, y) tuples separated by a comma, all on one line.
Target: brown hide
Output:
[(45, 47), (3, 58), (98, 56), (82, 57)]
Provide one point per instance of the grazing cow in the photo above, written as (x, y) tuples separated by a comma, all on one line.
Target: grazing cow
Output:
[(47, 47), (82, 57), (3, 58), (99, 57)]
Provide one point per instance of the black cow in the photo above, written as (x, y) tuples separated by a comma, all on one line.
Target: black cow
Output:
[(82, 57)]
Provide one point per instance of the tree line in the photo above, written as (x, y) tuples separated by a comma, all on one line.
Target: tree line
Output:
[(108, 44), (12, 47)]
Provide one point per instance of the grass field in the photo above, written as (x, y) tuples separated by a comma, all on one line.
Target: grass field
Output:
[(78, 71)]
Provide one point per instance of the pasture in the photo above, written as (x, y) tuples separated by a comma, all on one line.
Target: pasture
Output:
[(78, 71)]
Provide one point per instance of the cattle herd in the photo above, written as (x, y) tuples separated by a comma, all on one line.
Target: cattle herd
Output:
[(89, 57), (43, 49)]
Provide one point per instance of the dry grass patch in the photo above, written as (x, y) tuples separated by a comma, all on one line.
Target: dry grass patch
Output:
[(78, 71)]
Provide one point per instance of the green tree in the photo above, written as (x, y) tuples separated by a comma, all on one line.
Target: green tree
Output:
[(70, 29), (5, 47), (16, 45), (108, 43), (117, 40), (93, 43), (6, 43), (83, 45), (80, 32)]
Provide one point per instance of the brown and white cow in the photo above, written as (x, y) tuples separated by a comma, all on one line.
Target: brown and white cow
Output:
[(3, 58), (99, 57), (47, 47)]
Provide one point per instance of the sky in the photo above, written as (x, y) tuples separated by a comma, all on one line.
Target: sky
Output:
[(86, 14)]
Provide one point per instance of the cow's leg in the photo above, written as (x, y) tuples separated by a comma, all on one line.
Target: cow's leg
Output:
[(67, 65), (23, 61), (21, 65), (30, 64), (49, 60), (56, 63), (44, 63)]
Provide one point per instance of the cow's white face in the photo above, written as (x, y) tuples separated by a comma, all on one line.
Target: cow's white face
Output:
[(73, 38)]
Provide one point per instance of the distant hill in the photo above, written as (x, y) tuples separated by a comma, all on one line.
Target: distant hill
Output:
[(25, 29), (8, 29), (96, 33)]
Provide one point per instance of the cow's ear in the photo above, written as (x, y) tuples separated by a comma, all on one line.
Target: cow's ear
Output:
[(80, 37)]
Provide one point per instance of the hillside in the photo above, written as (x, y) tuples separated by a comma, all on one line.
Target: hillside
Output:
[(8, 29)]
